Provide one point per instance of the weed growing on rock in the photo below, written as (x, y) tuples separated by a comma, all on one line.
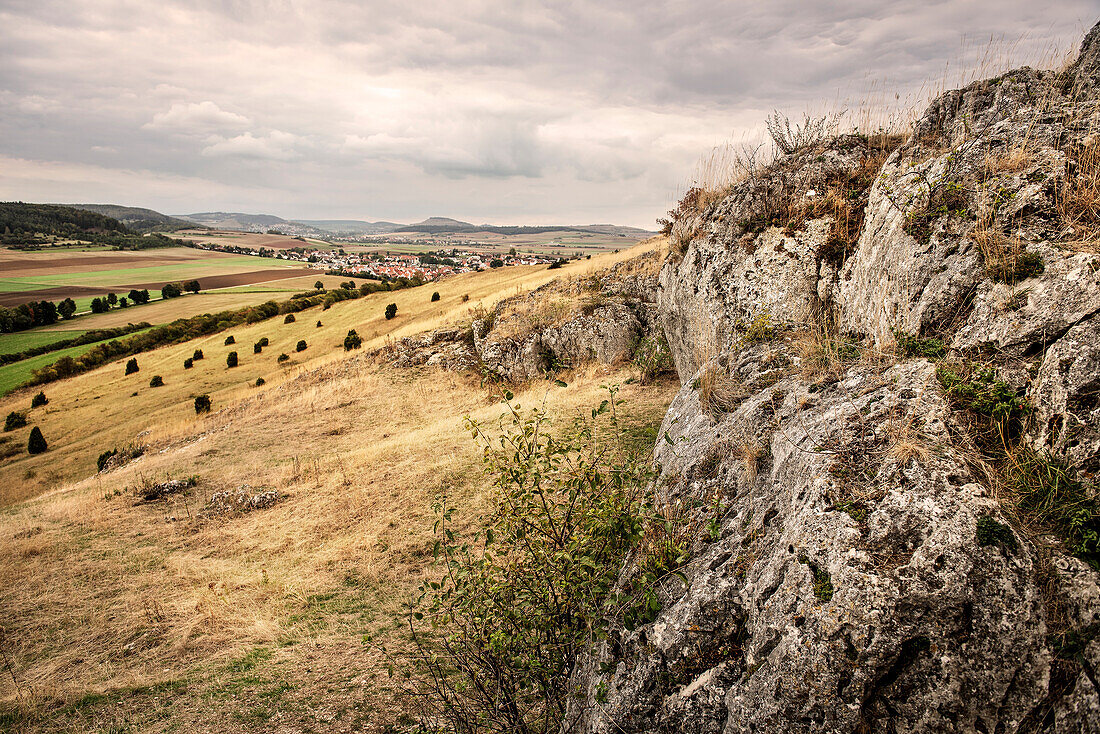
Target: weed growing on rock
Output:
[(823, 582), (994, 404), (991, 532), (1047, 494)]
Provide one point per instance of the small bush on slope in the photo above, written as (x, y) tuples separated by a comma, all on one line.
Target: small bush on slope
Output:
[(523, 598)]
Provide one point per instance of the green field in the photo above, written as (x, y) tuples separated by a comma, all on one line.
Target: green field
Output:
[(24, 340), (15, 374), (152, 273)]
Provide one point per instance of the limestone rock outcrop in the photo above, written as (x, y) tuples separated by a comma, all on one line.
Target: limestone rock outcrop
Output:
[(861, 569)]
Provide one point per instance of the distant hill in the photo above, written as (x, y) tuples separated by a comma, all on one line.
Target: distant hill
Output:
[(37, 225), (441, 222), (136, 218), (444, 225), (255, 223), (351, 226)]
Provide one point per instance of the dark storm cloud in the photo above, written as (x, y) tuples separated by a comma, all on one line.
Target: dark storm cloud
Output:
[(490, 110)]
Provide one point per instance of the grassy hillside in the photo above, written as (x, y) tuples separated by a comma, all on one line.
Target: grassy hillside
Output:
[(163, 616), (103, 408)]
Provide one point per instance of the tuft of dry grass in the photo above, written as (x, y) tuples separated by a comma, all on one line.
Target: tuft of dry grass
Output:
[(906, 441), (719, 391), (1077, 198)]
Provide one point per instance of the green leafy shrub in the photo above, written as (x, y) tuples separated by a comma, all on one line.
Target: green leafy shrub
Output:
[(202, 404), (435, 296), (39, 399), (352, 340), (289, 319), (15, 420), (653, 357), (528, 594), (391, 311), (132, 366), (231, 360), (230, 340), (300, 346), (36, 444), (157, 381), (914, 346), (975, 388)]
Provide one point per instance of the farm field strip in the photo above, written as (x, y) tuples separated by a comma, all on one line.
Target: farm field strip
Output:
[(23, 340), (15, 374)]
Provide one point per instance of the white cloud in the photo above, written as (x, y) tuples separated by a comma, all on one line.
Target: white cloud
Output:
[(200, 118), (275, 146), (488, 110)]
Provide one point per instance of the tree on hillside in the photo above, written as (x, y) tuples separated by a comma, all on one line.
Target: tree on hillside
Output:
[(36, 444), (99, 305), (192, 286), (112, 299), (319, 285), (435, 296), (66, 308), (170, 290), (391, 311), (231, 360), (137, 296), (132, 366), (352, 340)]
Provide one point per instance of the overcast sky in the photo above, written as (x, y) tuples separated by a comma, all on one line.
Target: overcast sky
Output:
[(509, 112)]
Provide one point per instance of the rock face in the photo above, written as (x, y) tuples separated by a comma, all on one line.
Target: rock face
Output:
[(603, 318), (853, 569)]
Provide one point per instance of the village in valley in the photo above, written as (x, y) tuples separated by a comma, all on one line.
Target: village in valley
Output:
[(426, 266)]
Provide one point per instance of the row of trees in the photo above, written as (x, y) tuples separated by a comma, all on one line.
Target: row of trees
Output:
[(43, 313)]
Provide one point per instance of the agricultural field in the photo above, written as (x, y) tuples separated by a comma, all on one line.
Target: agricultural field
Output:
[(54, 276)]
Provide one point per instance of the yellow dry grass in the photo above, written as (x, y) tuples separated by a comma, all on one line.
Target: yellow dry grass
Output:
[(161, 615)]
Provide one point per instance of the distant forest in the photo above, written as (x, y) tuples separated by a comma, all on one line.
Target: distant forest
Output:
[(30, 226)]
